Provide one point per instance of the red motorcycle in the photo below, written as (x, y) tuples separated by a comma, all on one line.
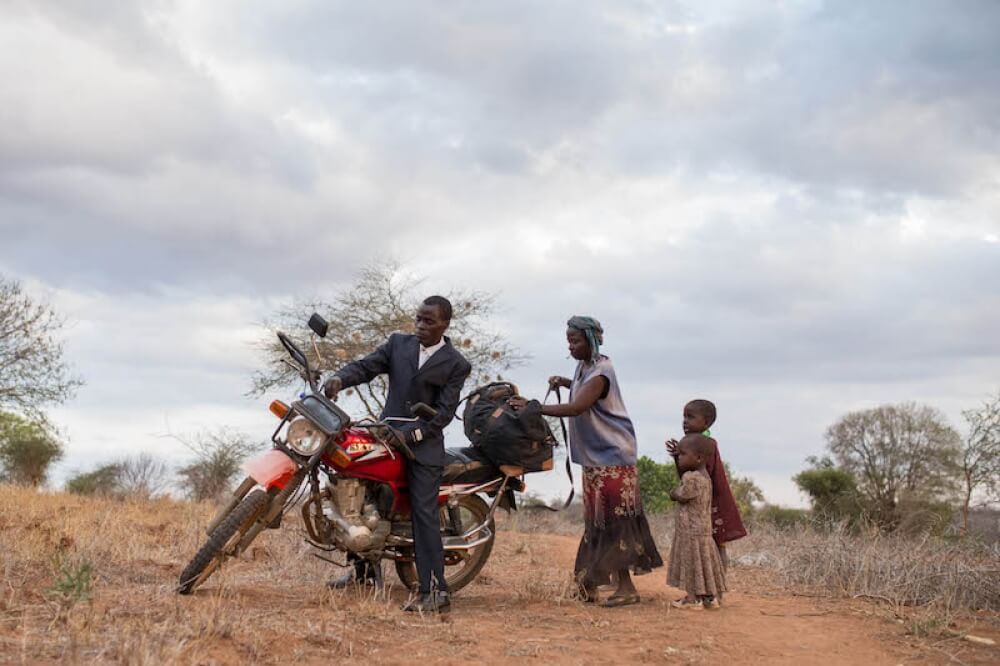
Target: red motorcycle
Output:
[(349, 479)]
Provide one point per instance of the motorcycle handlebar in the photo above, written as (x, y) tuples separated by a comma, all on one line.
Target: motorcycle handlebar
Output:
[(304, 370)]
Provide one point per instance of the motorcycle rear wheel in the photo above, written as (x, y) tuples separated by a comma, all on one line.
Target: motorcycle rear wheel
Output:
[(223, 540), (473, 511)]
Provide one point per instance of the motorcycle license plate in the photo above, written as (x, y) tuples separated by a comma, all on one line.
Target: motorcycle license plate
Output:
[(270, 467)]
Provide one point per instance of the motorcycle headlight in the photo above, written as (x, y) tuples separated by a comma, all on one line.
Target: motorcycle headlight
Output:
[(303, 437)]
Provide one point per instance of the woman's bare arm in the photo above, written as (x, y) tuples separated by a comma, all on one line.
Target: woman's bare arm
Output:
[(583, 400)]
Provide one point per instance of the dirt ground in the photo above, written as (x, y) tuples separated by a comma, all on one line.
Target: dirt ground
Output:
[(497, 618), (272, 606)]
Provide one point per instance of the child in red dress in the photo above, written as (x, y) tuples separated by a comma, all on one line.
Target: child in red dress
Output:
[(699, 415)]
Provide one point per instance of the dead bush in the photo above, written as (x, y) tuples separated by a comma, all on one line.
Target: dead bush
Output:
[(896, 568)]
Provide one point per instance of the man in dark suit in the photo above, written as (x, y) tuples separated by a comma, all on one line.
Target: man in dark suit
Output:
[(423, 367)]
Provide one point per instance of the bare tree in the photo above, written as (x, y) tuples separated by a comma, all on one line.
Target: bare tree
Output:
[(217, 459), (746, 492), (904, 451), (980, 458), (382, 300), (142, 475), (32, 370), (27, 449)]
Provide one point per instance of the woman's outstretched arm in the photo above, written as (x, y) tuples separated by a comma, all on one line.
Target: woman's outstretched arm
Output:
[(583, 400)]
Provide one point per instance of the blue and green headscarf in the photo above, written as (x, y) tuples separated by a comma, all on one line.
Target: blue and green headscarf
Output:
[(591, 329)]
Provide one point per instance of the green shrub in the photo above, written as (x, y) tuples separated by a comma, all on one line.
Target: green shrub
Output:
[(103, 481), (656, 480), (832, 491), (73, 581), (780, 516)]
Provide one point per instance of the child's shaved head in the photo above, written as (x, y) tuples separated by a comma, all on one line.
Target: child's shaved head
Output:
[(698, 444), (706, 408)]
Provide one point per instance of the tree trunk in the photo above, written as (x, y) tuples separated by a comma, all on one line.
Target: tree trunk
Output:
[(965, 504)]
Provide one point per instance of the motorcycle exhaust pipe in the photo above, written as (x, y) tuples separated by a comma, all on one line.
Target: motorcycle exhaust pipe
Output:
[(238, 495), (460, 544), (455, 543)]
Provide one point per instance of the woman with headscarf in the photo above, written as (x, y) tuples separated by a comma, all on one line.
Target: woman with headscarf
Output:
[(616, 537)]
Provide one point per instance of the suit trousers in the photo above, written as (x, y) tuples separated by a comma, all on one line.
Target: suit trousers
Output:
[(425, 484)]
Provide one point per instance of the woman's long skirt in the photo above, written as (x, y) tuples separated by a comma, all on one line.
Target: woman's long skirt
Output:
[(616, 535)]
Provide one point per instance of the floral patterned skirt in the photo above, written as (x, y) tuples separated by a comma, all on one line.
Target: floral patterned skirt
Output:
[(616, 535)]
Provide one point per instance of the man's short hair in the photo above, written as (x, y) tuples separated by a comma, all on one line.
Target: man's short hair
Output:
[(443, 304), (704, 407)]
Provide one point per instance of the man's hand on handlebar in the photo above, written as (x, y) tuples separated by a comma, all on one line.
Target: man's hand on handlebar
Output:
[(332, 387)]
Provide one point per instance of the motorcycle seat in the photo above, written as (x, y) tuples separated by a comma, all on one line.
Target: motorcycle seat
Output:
[(467, 465)]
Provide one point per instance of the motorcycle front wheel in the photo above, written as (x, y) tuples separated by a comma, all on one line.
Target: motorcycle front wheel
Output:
[(459, 569), (223, 540)]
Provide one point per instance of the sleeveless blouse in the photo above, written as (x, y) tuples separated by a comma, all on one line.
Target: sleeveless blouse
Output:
[(603, 435)]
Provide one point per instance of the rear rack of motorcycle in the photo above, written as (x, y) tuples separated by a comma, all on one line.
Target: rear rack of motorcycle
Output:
[(482, 533)]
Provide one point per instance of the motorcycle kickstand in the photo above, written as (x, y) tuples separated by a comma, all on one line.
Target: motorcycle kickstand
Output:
[(380, 591)]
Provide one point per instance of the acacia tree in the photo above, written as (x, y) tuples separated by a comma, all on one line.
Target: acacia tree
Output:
[(833, 492), (896, 452), (382, 300), (32, 370), (103, 481), (980, 457), (27, 449)]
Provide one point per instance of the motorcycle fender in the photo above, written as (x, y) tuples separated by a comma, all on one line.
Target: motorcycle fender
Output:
[(272, 469)]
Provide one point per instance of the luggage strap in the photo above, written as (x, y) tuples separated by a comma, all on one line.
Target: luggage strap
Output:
[(569, 463)]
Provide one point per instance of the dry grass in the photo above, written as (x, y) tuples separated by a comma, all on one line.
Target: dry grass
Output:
[(926, 581), (88, 580), (91, 580), (74, 567), (902, 571)]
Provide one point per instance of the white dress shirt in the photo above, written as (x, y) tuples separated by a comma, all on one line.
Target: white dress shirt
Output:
[(427, 352)]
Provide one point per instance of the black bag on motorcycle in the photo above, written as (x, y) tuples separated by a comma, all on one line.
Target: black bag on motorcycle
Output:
[(521, 438)]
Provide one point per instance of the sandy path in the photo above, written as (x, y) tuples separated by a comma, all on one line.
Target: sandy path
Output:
[(497, 618)]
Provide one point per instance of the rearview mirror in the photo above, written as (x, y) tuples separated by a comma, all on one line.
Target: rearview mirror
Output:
[(318, 325)]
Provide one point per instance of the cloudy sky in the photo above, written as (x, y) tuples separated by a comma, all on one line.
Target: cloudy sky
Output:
[(792, 208)]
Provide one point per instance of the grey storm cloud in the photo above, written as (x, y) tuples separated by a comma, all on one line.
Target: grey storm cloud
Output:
[(121, 131), (768, 202), (880, 96)]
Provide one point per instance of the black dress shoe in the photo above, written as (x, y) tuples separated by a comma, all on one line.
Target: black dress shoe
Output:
[(426, 602), (350, 579)]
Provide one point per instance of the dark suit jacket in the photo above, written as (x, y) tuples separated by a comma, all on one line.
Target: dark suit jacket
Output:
[(438, 383)]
